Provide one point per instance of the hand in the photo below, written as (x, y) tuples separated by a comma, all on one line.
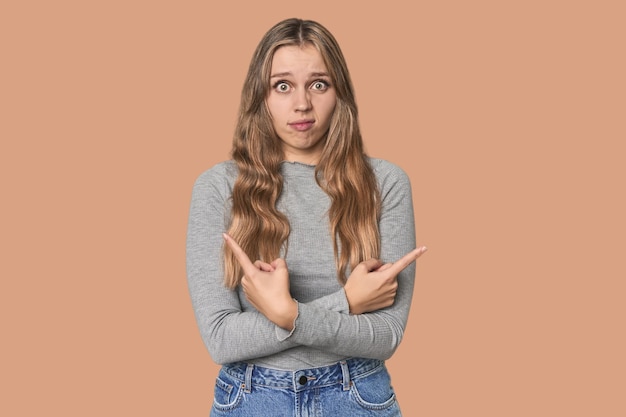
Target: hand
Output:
[(372, 285), (266, 286)]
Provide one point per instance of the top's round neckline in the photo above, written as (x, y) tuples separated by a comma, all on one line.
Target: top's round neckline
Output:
[(297, 163)]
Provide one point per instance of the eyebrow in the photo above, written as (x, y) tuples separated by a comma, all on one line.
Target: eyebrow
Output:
[(287, 74)]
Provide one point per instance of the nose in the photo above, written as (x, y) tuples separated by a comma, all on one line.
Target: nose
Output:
[(302, 101)]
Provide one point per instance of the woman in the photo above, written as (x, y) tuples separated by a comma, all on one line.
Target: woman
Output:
[(306, 327)]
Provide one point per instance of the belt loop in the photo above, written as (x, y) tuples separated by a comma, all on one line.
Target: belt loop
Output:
[(346, 375), (247, 385)]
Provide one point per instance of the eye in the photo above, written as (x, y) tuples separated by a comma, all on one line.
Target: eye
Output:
[(281, 86), (320, 85)]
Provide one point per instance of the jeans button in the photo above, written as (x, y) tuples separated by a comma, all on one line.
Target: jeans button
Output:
[(302, 380)]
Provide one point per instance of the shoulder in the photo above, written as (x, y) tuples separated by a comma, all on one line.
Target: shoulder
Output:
[(389, 175), (222, 172), (217, 179)]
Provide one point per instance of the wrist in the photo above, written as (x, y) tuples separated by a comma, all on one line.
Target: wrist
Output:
[(286, 314), (353, 305)]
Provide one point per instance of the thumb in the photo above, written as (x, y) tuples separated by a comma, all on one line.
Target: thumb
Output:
[(383, 267), (263, 266), (371, 264), (279, 263)]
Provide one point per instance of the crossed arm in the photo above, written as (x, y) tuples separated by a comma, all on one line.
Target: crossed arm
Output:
[(365, 318), (371, 286)]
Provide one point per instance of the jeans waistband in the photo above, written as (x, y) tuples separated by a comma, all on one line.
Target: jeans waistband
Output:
[(342, 373)]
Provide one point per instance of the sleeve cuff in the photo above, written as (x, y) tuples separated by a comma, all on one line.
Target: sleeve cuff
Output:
[(283, 334)]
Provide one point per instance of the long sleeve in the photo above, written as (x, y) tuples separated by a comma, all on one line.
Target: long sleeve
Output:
[(376, 334), (324, 331), (229, 333)]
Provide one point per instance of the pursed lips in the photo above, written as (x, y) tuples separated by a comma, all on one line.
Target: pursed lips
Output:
[(301, 125)]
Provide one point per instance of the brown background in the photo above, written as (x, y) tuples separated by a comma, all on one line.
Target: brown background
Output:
[(508, 116)]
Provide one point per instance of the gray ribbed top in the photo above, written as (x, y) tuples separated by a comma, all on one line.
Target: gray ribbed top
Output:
[(324, 331)]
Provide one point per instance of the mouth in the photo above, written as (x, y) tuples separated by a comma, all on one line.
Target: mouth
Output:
[(301, 125)]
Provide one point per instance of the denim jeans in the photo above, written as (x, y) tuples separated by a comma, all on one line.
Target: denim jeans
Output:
[(350, 388)]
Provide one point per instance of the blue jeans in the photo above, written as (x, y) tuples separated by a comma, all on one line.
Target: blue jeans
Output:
[(350, 388)]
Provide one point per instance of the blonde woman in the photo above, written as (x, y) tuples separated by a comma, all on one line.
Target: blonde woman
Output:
[(300, 249)]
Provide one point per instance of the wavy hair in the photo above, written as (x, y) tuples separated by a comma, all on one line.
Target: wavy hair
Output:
[(343, 171)]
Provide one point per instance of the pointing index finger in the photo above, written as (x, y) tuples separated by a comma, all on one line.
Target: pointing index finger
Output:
[(406, 260), (241, 256)]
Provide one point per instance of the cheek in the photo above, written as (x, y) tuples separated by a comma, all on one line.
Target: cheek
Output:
[(276, 109)]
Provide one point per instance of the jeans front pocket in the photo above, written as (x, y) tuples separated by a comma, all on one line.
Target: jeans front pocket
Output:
[(374, 391), (227, 393)]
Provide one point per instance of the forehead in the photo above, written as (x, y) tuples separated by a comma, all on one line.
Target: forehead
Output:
[(297, 59)]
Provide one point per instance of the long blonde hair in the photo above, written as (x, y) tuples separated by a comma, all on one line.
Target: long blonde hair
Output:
[(343, 171)]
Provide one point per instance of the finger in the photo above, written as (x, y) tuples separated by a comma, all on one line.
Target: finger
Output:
[(263, 266), (406, 260), (370, 264), (383, 267), (278, 263), (244, 261)]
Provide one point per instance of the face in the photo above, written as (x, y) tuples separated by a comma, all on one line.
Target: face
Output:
[(301, 101)]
